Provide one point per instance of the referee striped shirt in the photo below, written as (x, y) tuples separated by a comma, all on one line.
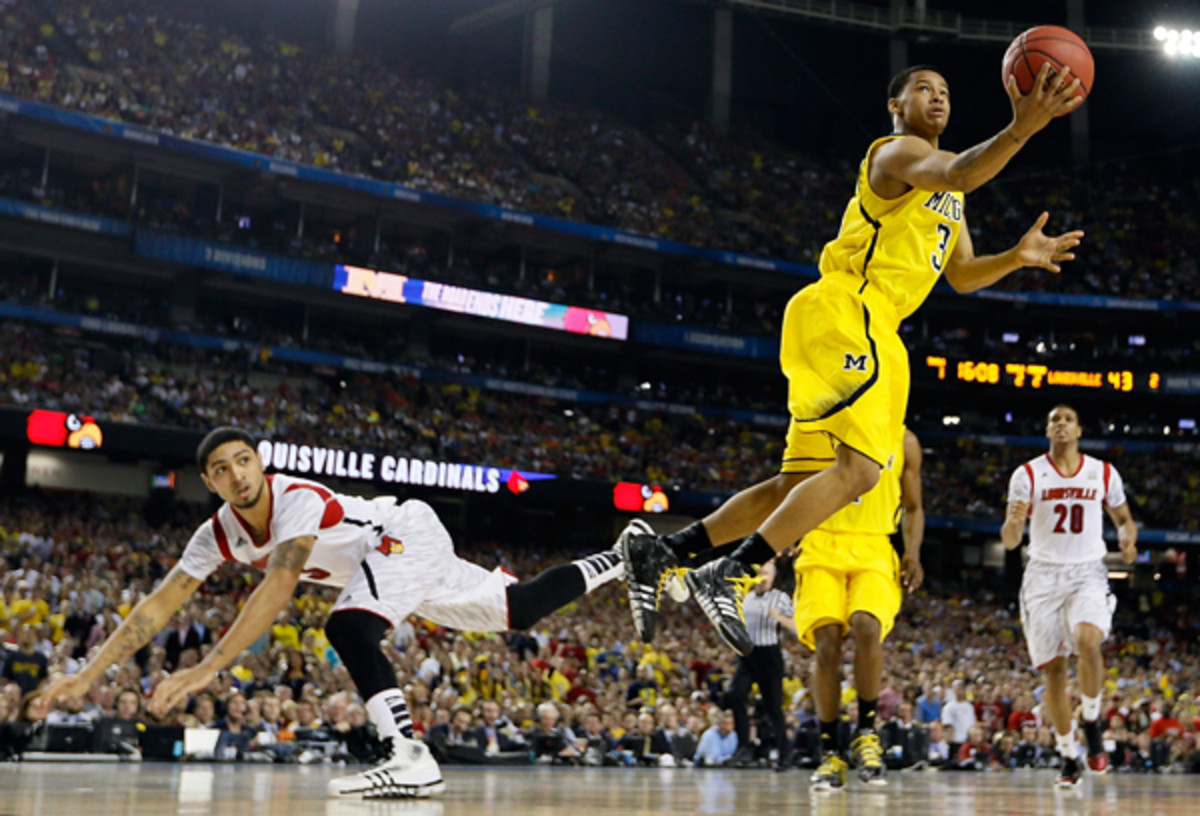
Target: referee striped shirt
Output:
[(763, 629)]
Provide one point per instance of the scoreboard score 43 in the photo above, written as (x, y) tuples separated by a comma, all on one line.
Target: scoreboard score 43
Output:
[(1035, 375)]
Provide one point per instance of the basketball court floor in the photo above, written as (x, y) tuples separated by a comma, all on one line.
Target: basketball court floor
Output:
[(93, 789)]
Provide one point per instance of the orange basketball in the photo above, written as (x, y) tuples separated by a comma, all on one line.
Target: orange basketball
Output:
[(1053, 44)]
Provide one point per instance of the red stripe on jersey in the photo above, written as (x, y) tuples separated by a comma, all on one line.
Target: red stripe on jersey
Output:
[(222, 539), (1107, 474), (1060, 473), (1032, 493), (320, 491), (333, 508)]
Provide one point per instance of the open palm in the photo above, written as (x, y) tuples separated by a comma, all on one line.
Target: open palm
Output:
[(1036, 248)]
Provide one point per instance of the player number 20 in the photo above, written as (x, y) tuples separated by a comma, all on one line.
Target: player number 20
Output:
[(1075, 512), (939, 258)]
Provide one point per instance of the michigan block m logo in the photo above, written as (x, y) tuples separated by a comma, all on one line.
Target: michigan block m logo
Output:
[(855, 362)]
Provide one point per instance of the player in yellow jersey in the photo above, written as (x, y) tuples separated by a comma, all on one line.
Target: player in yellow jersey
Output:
[(849, 579), (847, 369)]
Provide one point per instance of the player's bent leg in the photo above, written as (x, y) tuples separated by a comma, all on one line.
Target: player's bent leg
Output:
[(827, 691), (866, 749), (1058, 705), (1090, 666), (406, 769), (873, 599), (554, 588), (815, 499), (744, 512)]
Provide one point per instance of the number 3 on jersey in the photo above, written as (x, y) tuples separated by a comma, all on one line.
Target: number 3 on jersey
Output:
[(938, 259)]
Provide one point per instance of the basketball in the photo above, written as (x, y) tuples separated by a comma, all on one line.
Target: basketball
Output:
[(1053, 44)]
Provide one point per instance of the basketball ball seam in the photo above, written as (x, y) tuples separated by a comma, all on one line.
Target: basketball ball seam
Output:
[(1028, 66), (1071, 41), (1055, 60)]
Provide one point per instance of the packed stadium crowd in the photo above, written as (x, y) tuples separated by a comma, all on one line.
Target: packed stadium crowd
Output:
[(448, 421), (958, 692), (168, 68)]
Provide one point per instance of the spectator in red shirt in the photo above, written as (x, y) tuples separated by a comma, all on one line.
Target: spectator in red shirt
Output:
[(989, 709), (1167, 725), (976, 753), (1022, 713)]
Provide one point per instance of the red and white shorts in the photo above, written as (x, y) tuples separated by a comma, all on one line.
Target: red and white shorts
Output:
[(414, 570)]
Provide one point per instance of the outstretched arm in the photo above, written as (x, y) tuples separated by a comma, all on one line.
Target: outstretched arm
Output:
[(967, 272), (271, 596), (143, 623)]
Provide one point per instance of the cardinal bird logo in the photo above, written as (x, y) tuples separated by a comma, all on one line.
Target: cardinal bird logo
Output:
[(517, 483), (391, 546)]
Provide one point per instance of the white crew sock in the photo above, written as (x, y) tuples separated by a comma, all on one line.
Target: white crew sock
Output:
[(599, 569), (1066, 744), (389, 712), (1091, 708)]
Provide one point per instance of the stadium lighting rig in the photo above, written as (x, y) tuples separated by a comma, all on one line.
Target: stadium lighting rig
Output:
[(1178, 42)]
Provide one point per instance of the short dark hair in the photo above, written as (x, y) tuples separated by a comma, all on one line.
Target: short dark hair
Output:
[(218, 437), (896, 86), (1070, 408)]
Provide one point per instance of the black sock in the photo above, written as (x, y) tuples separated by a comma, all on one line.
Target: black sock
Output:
[(829, 737), (699, 560), (530, 601), (754, 551), (1095, 742), (866, 713), (689, 541)]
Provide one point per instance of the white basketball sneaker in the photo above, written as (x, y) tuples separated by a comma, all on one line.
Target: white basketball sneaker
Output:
[(407, 771)]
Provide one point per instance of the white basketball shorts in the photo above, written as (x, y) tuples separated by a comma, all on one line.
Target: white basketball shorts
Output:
[(1056, 598), (414, 570)]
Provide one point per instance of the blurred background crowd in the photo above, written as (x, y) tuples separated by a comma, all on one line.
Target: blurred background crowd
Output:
[(171, 69), (958, 691)]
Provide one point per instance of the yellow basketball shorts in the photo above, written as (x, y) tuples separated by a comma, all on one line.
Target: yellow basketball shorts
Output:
[(838, 574), (847, 373)]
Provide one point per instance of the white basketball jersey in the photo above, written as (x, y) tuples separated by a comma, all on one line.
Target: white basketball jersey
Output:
[(1066, 510), (346, 527)]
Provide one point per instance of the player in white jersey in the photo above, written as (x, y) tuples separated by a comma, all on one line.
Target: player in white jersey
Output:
[(1066, 605), (390, 560)]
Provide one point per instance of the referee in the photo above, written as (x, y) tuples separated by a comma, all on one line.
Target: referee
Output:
[(765, 609)]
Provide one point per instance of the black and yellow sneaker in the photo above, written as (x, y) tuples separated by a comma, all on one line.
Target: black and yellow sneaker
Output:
[(831, 775), (719, 587), (649, 563), (867, 753)]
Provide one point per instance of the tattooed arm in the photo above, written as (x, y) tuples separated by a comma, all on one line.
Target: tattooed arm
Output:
[(143, 623), (283, 573), (271, 596)]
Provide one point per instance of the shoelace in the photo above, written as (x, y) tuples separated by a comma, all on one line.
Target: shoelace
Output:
[(831, 764), (868, 748), (666, 576), (742, 585)]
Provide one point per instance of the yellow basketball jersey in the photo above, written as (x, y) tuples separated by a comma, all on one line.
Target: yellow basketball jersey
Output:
[(876, 512), (899, 246)]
